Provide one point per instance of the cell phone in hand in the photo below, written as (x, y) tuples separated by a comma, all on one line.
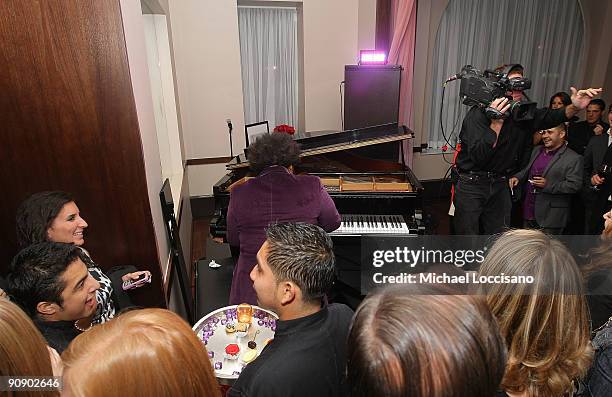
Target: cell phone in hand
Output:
[(142, 279)]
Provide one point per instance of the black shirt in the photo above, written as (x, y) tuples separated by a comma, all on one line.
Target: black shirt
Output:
[(307, 357), (599, 297), (58, 334), (579, 134), (513, 148)]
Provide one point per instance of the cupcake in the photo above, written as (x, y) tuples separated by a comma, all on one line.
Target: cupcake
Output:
[(231, 351)]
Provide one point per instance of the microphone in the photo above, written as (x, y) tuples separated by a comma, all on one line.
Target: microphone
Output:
[(453, 78), (229, 124)]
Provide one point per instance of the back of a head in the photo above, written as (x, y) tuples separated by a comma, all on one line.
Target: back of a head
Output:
[(35, 273), (545, 323), (148, 352), (510, 68), (302, 253), (598, 102), (23, 351), (415, 341), (273, 149), (35, 215)]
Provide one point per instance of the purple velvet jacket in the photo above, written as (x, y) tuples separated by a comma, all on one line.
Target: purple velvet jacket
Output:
[(274, 196)]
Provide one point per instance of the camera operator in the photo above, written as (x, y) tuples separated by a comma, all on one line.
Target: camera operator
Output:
[(492, 149)]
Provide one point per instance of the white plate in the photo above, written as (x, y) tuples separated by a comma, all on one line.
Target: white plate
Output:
[(211, 331)]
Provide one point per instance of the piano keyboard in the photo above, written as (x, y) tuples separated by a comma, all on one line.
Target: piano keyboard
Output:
[(354, 224)]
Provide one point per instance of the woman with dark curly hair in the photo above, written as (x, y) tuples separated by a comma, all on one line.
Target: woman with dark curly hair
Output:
[(275, 195)]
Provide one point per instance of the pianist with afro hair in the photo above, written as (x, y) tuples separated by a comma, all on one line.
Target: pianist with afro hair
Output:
[(275, 195)]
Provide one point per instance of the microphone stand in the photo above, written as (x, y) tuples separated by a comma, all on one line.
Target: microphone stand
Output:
[(230, 127)]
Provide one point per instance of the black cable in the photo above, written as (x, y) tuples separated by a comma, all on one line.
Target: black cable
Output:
[(455, 125), (444, 178), (341, 106), (450, 136), (445, 160), (447, 174), (441, 124)]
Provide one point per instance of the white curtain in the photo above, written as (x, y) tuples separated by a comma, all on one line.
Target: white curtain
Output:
[(545, 36), (268, 52)]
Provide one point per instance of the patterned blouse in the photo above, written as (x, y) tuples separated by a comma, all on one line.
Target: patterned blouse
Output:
[(106, 306)]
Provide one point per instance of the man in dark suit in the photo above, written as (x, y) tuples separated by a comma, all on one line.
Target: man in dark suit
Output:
[(579, 134), (552, 176), (597, 188)]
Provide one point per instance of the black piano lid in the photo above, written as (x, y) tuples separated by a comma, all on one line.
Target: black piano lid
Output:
[(317, 142), (319, 139)]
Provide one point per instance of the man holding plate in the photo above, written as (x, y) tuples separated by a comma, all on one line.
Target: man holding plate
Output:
[(295, 268)]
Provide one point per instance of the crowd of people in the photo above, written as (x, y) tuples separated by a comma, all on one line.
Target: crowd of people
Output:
[(550, 165), (547, 338), (62, 315)]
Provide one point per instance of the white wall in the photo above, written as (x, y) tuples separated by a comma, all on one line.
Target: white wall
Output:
[(207, 68), (161, 78), (367, 25), (203, 177), (208, 75), (330, 42), (135, 43)]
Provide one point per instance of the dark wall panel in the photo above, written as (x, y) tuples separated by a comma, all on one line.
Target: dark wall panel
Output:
[(371, 95), (68, 122)]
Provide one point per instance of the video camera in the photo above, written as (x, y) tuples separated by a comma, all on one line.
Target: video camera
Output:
[(481, 88)]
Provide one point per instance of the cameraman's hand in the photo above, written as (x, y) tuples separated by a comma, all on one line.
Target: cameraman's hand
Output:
[(501, 105)]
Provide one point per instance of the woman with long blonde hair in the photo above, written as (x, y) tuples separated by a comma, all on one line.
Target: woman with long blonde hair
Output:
[(23, 350), (545, 323), (149, 352)]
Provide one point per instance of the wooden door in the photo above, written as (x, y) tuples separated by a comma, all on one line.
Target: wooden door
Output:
[(68, 122)]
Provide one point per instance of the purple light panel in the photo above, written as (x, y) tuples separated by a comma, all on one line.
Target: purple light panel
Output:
[(372, 57)]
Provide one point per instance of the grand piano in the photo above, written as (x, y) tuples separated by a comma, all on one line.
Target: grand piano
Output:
[(373, 192)]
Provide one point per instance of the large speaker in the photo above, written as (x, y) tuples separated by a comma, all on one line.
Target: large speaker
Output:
[(371, 95)]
